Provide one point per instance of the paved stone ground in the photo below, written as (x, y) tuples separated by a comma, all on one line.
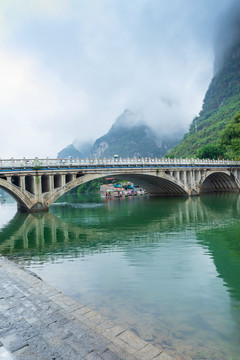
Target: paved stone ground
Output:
[(38, 322)]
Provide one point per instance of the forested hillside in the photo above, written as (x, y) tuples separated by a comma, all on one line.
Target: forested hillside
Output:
[(220, 106), (129, 136)]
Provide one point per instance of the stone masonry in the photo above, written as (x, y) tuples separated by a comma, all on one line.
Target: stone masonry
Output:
[(38, 322)]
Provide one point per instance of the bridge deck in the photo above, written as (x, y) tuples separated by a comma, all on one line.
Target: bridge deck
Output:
[(39, 322), (46, 164)]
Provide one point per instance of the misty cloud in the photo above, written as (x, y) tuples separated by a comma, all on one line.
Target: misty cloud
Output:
[(227, 34), (69, 69)]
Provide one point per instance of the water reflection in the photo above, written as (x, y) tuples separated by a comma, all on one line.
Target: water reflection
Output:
[(46, 232), (160, 265)]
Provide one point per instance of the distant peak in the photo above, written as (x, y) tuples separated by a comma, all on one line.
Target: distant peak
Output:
[(128, 119)]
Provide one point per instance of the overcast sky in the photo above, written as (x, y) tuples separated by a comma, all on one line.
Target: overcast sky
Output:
[(69, 68)]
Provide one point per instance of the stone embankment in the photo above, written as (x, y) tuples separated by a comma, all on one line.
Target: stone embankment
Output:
[(38, 322)]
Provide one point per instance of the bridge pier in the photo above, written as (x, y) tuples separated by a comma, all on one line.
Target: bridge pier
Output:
[(36, 208)]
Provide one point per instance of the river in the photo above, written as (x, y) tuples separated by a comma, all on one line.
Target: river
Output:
[(167, 268)]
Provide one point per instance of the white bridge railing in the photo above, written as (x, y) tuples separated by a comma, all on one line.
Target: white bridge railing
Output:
[(48, 163)]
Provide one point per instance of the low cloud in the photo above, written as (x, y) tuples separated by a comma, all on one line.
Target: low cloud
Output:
[(227, 34), (69, 69), (35, 107)]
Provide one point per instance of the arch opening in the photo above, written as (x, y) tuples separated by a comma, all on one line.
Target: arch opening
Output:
[(4, 193), (45, 183), (156, 185), (15, 180), (219, 182), (69, 178), (57, 180), (14, 196), (24, 201), (29, 184)]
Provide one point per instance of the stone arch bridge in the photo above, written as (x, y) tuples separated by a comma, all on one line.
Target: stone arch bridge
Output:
[(37, 183)]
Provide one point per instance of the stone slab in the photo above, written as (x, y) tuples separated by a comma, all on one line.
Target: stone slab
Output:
[(38, 322)]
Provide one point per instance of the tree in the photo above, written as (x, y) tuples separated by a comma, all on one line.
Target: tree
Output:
[(230, 138), (210, 151)]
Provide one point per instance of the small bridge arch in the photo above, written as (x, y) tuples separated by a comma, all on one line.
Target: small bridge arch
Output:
[(219, 181), (15, 191)]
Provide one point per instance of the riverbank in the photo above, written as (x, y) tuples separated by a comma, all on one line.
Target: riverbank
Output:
[(40, 322)]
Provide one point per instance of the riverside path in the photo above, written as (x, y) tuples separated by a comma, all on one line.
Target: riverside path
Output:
[(38, 322)]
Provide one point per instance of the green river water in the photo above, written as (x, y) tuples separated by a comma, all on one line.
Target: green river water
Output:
[(167, 268)]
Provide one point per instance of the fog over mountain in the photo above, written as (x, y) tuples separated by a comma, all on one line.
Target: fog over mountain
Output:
[(227, 35), (222, 99), (129, 136), (69, 69)]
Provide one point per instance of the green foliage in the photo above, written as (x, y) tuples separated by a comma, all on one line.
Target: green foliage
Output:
[(221, 104), (209, 128), (230, 138), (210, 151), (224, 85), (129, 140), (94, 185), (91, 186), (37, 165), (218, 138)]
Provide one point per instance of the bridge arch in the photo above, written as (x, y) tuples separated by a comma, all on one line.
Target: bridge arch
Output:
[(163, 185), (21, 198), (220, 181), (50, 198)]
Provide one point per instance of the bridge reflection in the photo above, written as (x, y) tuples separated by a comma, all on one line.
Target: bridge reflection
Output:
[(47, 235), (28, 233)]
